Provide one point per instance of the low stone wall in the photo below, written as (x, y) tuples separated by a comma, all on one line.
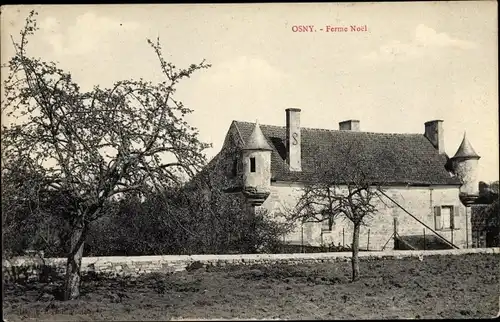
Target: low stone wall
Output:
[(35, 267)]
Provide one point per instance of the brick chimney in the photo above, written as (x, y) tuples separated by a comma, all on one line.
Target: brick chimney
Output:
[(434, 132), (293, 143), (349, 125)]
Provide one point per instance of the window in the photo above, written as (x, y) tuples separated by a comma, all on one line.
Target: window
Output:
[(252, 164), (326, 224), (234, 170), (444, 217)]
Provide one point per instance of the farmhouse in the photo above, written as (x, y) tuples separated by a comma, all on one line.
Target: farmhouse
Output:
[(429, 194)]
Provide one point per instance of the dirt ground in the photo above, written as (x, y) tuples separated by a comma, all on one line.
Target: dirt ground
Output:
[(465, 286)]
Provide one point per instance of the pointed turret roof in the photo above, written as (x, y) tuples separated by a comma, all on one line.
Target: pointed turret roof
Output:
[(465, 150), (257, 140)]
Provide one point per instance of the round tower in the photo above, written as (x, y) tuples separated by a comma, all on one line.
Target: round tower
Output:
[(464, 165), (256, 158)]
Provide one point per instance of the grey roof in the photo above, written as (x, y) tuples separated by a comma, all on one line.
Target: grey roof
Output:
[(392, 158), (465, 150), (257, 140)]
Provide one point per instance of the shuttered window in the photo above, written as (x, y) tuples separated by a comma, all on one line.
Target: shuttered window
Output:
[(452, 218), (326, 224), (445, 217), (437, 218), (456, 217)]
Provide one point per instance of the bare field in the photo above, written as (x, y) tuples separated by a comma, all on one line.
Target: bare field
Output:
[(464, 286)]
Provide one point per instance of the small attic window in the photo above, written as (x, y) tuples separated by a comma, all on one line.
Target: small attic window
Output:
[(252, 164)]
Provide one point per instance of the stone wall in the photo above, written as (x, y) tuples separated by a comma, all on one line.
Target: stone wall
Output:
[(33, 267)]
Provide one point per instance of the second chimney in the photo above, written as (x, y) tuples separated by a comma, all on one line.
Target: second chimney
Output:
[(434, 132), (350, 125), (293, 143)]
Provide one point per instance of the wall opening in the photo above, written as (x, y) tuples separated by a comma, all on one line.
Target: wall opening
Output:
[(234, 170), (444, 217), (252, 164)]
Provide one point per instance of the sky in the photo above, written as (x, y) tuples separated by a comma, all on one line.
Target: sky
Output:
[(408, 64)]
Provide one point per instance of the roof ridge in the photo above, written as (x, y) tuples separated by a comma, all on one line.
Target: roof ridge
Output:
[(239, 132), (332, 130)]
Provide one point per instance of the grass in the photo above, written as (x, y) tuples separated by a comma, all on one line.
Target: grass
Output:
[(464, 286)]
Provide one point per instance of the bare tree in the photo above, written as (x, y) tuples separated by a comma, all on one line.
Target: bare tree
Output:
[(33, 217), (343, 187), (94, 147), (20, 210)]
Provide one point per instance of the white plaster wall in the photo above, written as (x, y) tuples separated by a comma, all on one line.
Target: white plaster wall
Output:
[(261, 178), (419, 201), (466, 170)]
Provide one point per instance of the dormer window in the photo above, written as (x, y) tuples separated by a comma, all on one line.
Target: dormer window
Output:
[(252, 164)]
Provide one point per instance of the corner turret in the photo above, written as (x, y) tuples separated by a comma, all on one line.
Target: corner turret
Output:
[(464, 163), (256, 157)]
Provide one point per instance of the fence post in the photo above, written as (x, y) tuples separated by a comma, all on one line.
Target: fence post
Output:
[(395, 221), (343, 237), (424, 238), (368, 243), (302, 238)]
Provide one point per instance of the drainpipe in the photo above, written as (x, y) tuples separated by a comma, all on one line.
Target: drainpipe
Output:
[(302, 237), (466, 229), (431, 202)]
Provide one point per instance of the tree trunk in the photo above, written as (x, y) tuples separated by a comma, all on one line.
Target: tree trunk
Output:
[(355, 253), (248, 237), (250, 230), (73, 264)]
